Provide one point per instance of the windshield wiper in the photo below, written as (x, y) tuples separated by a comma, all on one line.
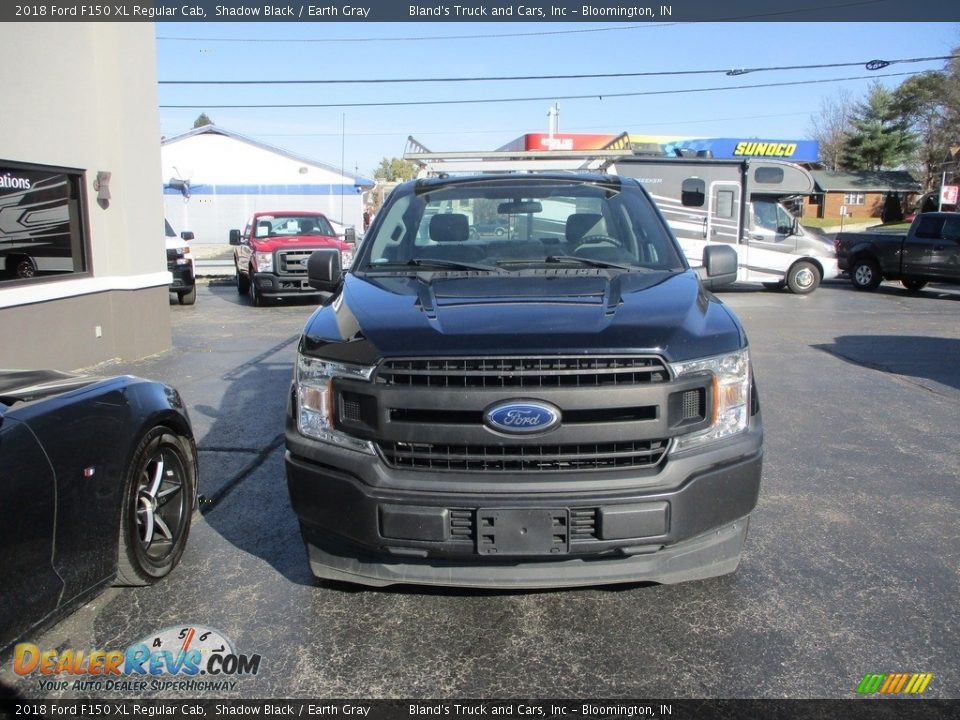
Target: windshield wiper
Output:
[(436, 262), (589, 262)]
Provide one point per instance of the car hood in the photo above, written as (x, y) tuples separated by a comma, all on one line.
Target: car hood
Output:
[(570, 311), (28, 385)]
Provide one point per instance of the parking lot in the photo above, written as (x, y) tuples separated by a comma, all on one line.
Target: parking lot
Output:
[(852, 564)]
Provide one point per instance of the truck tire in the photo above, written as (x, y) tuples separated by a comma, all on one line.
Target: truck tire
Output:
[(243, 283), (913, 285), (803, 278), (256, 298), (188, 297), (865, 274)]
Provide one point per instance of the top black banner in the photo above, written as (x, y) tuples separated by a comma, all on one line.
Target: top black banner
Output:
[(605, 11)]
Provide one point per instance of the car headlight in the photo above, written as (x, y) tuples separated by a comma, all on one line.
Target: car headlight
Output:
[(315, 398), (731, 397), (263, 261)]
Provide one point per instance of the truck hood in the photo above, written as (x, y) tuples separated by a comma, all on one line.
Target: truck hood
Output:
[(570, 311), (295, 241)]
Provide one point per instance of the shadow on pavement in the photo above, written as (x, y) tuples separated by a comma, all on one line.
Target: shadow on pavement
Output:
[(922, 357)]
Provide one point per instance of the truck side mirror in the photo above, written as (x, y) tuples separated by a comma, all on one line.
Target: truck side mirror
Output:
[(234, 237), (350, 236), (323, 269), (720, 265), (186, 235)]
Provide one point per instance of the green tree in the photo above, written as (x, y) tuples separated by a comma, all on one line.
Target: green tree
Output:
[(880, 137), (394, 169), (202, 120)]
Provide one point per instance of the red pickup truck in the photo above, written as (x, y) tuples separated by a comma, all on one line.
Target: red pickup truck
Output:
[(272, 251)]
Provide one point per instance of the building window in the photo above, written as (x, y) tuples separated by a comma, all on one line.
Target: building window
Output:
[(853, 198), (42, 223)]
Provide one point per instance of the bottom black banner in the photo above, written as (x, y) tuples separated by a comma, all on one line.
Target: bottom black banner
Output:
[(529, 709)]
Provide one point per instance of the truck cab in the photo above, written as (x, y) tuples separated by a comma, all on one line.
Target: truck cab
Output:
[(271, 252)]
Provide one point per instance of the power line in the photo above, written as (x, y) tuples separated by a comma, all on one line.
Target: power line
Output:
[(500, 131), (869, 64), (595, 95)]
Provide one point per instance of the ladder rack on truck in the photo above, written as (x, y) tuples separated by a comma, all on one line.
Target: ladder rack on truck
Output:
[(433, 164)]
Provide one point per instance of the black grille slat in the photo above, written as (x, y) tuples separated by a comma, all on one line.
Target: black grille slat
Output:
[(524, 458), (544, 372), (583, 524), (462, 525)]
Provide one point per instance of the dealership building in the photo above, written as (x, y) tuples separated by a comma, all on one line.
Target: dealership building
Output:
[(82, 263)]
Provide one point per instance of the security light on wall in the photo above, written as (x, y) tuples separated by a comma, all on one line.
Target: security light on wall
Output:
[(102, 185)]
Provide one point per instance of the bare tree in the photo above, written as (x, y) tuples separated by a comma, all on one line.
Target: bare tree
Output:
[(831, 126)]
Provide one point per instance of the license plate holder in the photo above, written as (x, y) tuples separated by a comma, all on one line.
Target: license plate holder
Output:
[(523, 531)]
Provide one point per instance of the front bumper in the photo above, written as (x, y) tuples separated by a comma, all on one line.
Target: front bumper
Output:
[(365, 523), (183, 277), (272, 285)]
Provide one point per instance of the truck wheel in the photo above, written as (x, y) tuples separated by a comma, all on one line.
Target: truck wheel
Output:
[(188, 297), (865, 274), (243, 283), (255, 297), (803, 278), (913, 285)]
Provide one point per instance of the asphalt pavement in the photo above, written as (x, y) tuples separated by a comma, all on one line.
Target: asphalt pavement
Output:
[(852, 564)]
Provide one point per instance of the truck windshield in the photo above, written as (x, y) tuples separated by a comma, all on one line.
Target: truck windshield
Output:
[(521, 220), (286, 225)]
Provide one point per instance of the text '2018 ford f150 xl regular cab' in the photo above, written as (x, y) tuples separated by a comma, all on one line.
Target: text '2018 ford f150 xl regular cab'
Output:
[(561, 405)]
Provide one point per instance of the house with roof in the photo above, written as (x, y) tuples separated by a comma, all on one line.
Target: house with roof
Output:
[(861, 194), (214, 179)]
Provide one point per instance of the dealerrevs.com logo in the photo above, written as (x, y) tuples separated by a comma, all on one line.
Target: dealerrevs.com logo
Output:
[(182, 658), (894, 683)]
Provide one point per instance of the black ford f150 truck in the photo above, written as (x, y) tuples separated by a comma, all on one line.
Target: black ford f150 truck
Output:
[(561, 405), (929, 252)]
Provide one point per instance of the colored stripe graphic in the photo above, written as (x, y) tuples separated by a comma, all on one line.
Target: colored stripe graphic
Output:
[(894, 683)]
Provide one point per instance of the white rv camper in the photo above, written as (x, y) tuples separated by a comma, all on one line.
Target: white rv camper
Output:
[(706, 201), (738, 203)]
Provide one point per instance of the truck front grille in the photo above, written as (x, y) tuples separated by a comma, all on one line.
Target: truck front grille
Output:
[(293, 262), (526, 372), (523, 458)]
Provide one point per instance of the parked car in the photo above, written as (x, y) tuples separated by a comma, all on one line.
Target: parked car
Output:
[(929, 252), (180, 264), (98, 482), (566, 406), (271, 253)]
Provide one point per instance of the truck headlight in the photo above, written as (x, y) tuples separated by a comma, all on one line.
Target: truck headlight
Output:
[(263, 261), (315, 398), (731, 396)]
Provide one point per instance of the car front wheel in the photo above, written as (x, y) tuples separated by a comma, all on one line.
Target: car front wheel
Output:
[(159, 488), (803, 278), (188, 297)]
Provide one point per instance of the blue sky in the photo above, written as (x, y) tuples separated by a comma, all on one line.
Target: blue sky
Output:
[(362, 136)]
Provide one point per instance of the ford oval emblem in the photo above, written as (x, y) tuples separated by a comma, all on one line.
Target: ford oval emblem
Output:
[(518, 417)]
